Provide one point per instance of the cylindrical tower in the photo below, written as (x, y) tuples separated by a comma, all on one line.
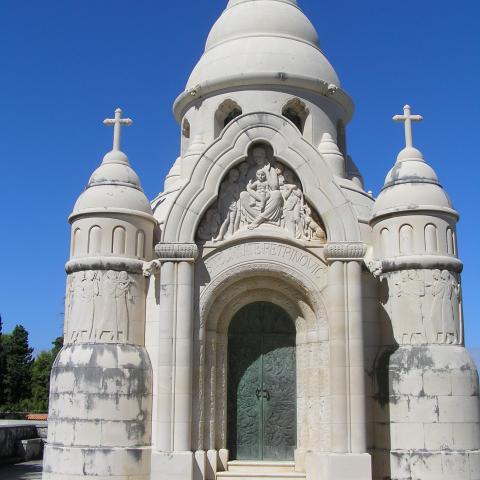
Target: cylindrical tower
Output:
[(427, 382), (101, 382)]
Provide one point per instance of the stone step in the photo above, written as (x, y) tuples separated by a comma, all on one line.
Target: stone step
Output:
[(261, 475), (257, 466)]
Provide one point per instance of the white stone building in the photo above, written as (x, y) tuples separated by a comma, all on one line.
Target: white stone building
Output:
[(264, 317)]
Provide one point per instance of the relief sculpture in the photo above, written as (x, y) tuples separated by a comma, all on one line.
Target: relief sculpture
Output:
[(426, 307), (260, 191), (98, 306)]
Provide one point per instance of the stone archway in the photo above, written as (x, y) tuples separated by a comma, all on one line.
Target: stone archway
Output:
[(290, 278)]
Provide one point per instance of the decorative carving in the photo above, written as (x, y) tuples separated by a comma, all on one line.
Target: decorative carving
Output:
[(425, 307), (98, 307), (260, 191), (375, 267), (445, 309), (177, 251), (345, 251)]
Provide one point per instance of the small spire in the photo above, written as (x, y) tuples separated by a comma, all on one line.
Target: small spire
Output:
[(117, 123), (408, 118)]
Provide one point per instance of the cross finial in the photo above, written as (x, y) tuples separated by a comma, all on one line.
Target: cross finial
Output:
[(408, 118), (117, 123)]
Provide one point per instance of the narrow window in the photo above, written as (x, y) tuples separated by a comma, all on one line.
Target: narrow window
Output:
[(95, 240), (228, 111), (385, 241), (431, 239), (406, 239), (119, 241), (140, 250)]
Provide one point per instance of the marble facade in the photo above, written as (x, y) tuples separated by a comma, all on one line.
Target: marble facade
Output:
[(264, 206)]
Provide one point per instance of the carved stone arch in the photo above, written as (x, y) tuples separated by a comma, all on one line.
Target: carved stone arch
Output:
[(227, 111), (231, 288), (297, 112), (231, 148)]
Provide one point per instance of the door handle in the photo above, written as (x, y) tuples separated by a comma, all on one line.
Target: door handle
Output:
[(266, 394), (258, 393)]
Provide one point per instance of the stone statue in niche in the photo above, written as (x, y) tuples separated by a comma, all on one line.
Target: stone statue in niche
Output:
[(426, 307), (260, 191), (98, 306)]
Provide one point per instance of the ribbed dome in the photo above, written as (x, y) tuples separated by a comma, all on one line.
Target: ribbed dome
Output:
[(411, 184), (113, 185), (259, 37)]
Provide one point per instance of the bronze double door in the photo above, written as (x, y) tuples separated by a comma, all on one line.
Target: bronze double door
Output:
[(262, 419)]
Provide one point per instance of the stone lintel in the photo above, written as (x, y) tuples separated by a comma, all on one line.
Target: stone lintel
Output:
[(345, 252)]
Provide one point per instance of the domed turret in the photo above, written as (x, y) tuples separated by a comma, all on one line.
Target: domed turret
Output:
[(414, 228), (104, 332), (413, 214), (113, 216)]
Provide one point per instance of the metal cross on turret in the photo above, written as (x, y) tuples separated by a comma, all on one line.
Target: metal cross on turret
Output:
[(408, 118), (117, 123)]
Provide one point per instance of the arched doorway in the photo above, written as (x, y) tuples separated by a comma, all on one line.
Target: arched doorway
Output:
[(262, 418)]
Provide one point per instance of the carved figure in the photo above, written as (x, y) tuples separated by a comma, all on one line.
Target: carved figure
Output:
[(209, 227), (260, 191), (311, 229), (85, 310), (293, 198), (254, 215), (121, 303), (444, 315), (228, 198), (410, 292)]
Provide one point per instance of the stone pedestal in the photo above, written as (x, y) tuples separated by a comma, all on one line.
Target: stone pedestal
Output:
[(100, 413)]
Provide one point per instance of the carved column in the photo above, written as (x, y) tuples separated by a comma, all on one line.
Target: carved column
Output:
[(174, 400)]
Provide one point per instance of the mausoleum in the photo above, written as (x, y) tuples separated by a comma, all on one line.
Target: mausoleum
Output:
[(264, 317)]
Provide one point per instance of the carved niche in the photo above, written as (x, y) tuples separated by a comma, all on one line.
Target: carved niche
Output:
[(260, 192)]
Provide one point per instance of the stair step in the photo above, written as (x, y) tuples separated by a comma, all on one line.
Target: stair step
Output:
[(261, 475), (257, 466)]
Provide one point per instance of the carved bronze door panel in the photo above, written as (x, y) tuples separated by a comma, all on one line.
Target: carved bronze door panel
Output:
[(262, 384)]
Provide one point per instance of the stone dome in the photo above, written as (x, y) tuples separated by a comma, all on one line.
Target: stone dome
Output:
[(411, 185), (257, 38), (113, 185)]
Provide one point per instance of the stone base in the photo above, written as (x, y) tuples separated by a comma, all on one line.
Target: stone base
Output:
[(330, 466), (445, 465), (173, 466), (68, 463)]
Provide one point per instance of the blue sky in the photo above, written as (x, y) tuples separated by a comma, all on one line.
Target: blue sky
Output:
[(66, 65)]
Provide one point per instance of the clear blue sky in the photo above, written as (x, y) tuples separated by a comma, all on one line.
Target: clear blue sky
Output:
[(66, 64)]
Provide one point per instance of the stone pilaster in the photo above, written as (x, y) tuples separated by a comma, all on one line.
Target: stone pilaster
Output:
[(172, 455), (349, 458)]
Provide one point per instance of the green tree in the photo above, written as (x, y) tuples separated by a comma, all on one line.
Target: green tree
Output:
[(18, 367), (41, 370), (2, 363), (41, 381)]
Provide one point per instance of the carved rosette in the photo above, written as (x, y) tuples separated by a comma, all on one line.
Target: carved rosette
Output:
[(345, 252)]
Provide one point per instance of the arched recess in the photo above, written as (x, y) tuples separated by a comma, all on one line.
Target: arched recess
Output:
[(229, 289), (296, 111), (226, 112), (290, 148)]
